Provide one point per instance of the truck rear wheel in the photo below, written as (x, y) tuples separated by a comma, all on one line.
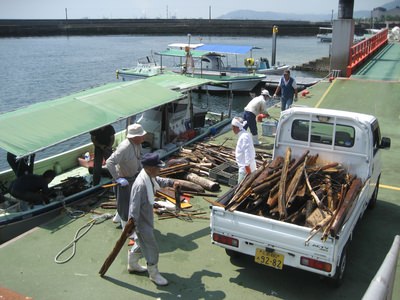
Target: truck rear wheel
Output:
[(337, 280), (374, 197), (233, 254)]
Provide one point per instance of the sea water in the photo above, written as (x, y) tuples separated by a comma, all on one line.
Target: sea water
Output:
[(36, 69)]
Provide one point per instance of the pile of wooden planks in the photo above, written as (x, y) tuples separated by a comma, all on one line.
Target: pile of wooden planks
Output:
[(301, 191), (194, 164)]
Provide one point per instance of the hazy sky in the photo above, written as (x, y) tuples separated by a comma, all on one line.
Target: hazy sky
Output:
[(97, 9)]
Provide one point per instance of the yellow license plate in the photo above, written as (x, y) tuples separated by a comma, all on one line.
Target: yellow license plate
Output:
[(271, 259)]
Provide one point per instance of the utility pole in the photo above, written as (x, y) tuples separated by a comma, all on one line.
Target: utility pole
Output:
[(66, 21), (209, 13), (167, 12)]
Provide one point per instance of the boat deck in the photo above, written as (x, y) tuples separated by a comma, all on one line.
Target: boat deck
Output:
[(195, 268)]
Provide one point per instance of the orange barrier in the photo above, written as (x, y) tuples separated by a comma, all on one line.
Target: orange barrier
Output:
[(364, 49)]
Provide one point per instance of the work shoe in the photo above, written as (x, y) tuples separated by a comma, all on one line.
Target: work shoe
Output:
[(133, 263), (155, 275)]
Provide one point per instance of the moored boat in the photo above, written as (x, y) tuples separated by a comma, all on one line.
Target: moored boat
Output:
[(242, 53), (162, 106), (209, 65), (145, 67), (218, 62)]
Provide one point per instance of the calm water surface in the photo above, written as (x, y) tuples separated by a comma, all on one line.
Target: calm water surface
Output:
[(37, 69)]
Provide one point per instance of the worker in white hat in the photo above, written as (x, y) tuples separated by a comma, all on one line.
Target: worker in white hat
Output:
[(124, 165), (245, 153), (256, 108)]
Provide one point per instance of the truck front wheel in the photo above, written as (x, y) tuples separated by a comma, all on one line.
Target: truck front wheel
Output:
[(338, 278)]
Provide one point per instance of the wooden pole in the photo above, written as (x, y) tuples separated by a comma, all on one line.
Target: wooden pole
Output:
[(129, 228)]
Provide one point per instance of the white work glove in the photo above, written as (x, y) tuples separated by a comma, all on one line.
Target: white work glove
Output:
[(122, 181)]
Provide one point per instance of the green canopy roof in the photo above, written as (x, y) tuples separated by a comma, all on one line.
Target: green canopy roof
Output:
[(180, 82), (44, 124)]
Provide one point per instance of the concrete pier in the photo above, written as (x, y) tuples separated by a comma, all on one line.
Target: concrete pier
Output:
[(17, 28)]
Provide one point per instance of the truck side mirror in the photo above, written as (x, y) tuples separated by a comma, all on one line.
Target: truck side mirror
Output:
[(385, 142)]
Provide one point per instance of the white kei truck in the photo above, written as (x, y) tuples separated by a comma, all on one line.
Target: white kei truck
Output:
[(351, 139)]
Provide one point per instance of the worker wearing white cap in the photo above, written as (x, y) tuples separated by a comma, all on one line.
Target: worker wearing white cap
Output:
[(257, 107), (124, 165), (245, 153)]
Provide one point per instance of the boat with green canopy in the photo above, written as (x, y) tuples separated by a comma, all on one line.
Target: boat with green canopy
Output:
[(162, 105), (206, 65)]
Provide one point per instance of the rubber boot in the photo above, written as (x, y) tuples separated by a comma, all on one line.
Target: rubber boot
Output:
[(155, 275), (255, 140), (116, 218), (133, 263)]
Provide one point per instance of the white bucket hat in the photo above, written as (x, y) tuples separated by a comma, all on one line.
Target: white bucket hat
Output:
[(265, 93), (135, 130)]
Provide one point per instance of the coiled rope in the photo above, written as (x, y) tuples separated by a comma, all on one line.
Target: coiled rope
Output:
[(78, 235)]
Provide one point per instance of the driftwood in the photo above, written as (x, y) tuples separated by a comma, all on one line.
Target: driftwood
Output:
[(174, 169), (282, 185), (302, 191), (128, 229), (190, 193), (294, 184), (190, 186), (214, 203), (351, 195), (244, 189), (203, 182)]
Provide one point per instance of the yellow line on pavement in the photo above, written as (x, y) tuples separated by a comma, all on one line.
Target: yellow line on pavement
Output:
[(324, 95), (389, 187)]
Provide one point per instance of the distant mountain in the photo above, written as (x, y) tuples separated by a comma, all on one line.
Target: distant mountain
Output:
[(269, 15), (391, 5)]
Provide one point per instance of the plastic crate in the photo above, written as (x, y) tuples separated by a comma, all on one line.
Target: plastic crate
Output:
[(269, 128), (225, 173)]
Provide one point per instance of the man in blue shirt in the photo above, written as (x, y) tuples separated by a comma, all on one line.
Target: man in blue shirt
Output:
[(288, 87)]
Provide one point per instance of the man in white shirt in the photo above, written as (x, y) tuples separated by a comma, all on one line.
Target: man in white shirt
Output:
[(245, 153), (256, 106)]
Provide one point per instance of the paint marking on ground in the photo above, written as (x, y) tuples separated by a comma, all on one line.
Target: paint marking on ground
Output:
[(324, 95), (389, 187)]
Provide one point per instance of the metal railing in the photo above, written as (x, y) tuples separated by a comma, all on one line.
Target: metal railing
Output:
[(365, 49), (381, 286)]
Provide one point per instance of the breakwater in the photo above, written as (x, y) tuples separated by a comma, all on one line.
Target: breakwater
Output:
[(19, 28)]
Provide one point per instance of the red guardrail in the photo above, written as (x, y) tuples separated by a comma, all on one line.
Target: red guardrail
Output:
[(364, 49)]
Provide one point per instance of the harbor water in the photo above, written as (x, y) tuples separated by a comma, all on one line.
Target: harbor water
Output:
[(37, 69)]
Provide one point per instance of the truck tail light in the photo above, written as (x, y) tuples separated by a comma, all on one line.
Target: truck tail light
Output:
[(225, 240), (316, 264)]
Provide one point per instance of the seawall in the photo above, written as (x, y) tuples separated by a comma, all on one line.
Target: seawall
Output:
[(19, 28)]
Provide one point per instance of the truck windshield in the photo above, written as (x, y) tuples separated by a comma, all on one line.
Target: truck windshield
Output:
[(323, 133)]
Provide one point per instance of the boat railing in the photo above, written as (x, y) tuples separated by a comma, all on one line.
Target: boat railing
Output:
[(365, 49)]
